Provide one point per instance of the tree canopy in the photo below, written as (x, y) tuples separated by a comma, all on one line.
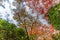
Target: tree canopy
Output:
[(54, 16), (9, 31)]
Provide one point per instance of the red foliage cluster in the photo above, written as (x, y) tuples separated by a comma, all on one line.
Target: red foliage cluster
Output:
[(40, 6)]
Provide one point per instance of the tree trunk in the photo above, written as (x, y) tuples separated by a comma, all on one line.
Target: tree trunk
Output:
[(27, 33)]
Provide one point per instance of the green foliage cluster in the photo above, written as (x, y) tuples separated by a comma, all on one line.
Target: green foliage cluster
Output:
[(54, 16), (9, 31), (32, 37), (56, 36)]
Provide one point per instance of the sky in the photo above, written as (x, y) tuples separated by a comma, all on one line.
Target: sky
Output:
[(6, 10)]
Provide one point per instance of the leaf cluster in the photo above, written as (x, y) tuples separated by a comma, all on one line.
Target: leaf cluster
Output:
[(54, 16), (9, 31)]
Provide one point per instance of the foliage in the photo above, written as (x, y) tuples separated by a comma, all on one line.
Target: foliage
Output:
[(54, 16), (24, 20), (56, 36), (19, 1), (9, 31), (32, 37), (20, 34)]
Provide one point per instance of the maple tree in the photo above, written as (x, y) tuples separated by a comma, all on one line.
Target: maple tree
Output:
[(25, 20), (40, 6)]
